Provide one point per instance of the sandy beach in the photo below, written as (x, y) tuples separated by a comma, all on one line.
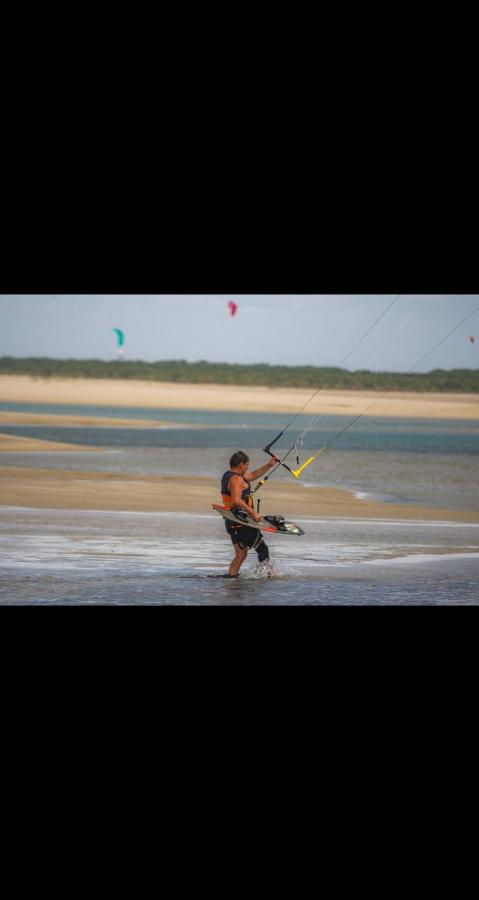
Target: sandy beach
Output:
[(50, 489), (162, 395)]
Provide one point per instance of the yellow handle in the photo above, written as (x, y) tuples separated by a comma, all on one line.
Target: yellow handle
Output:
[(297, 472)]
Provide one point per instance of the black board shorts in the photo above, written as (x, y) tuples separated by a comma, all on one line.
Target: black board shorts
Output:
[(242, 534)]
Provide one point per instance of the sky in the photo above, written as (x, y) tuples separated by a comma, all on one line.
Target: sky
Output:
[(293, 330)]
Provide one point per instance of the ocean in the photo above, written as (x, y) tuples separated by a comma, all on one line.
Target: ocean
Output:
[(74, 557)]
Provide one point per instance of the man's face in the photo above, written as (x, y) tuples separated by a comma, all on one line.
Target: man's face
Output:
[(244, 467)]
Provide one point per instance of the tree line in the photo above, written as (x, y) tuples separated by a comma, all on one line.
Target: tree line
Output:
[(262, 374)]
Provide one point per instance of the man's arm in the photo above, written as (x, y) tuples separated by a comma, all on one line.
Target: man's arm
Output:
[(252, 476)]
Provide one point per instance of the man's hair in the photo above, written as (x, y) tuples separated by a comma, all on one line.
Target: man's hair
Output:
[(238, 458)]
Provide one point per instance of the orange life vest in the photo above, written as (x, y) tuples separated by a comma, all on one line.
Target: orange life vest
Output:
[(226, 493)]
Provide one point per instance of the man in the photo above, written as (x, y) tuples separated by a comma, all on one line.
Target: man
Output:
[(236, 492)]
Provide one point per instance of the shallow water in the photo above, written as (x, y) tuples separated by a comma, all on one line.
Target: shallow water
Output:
[(70, 557)]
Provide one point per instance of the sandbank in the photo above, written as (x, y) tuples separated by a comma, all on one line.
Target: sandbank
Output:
[(169, 395), (47, 488), (14, 417), (10, 443)]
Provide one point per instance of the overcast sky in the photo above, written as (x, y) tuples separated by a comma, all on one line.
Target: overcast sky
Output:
[(291, 329)]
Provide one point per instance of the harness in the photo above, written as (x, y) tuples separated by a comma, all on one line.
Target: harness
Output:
[(226, 493)]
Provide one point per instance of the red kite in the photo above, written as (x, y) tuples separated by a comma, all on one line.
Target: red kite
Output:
[(233, 307)]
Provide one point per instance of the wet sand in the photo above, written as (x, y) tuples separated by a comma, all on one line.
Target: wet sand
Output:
[(50, 489), (158, 395)]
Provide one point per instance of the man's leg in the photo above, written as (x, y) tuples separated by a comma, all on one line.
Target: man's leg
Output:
[(262, 550), (240, 556)]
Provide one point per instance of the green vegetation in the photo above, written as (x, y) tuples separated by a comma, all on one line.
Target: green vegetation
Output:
[(455, 380)]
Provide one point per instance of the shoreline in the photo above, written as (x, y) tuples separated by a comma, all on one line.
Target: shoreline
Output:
[(71, 489), (244, 398)]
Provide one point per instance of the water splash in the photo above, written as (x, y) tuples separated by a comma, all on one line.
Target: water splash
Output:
[(266, 569)]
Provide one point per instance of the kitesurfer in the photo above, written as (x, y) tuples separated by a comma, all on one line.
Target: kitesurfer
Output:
[(236, 493)]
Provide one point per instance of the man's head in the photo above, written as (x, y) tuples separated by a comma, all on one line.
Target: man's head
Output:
[(238, 459)]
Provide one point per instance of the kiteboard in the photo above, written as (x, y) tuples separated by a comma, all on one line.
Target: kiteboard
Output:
[(273, 524)]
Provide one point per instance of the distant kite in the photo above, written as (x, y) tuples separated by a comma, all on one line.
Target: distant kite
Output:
[(121, 341), (233, 307), (472, 339)]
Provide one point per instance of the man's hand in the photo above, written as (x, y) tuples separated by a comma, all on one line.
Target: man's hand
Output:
[(274, 461), (256, 516)]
